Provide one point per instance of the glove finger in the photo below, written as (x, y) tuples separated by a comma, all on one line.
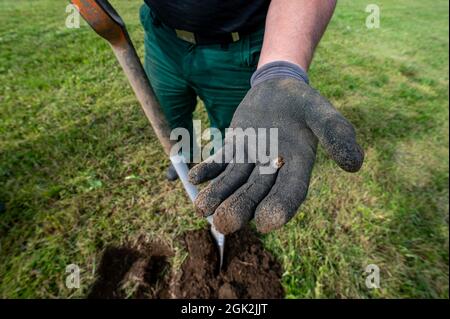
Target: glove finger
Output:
[(223, 186), (335, 134), (286, 195), (238, 209), (212, 166)]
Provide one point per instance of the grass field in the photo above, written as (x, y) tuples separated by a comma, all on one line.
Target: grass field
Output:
[(81, 169)]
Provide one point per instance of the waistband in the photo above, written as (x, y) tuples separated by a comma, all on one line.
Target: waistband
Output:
[(205, 38)]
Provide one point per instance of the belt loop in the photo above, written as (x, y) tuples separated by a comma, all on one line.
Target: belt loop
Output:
[(235, 36), (186, 36)]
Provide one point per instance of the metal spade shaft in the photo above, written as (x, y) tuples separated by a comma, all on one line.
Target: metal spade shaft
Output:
[(106, 22)]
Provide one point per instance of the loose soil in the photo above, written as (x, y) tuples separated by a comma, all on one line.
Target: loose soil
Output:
[(144, 270), (136, 271)]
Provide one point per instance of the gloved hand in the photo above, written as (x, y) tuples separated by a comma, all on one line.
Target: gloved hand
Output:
[(279, 98)]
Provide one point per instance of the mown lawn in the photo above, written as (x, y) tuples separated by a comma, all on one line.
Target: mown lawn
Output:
[(81, 169)]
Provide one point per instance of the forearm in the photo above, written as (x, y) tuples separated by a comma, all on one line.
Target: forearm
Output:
[(293, 30)]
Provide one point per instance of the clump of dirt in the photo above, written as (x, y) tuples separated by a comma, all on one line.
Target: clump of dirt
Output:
[(249, 271), (143, 270), (137, 271)]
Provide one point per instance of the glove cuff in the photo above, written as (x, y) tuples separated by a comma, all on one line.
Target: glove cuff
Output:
[(278, 69)]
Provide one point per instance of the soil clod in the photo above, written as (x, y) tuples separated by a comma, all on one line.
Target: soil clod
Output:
[(143, 271), (136, 271)]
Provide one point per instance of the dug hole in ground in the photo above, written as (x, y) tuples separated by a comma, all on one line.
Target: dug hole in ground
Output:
[(143, 270)]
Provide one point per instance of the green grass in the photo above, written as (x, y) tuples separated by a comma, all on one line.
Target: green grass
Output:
[(80, 167)]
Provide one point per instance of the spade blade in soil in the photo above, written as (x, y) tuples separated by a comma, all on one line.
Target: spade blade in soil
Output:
[(220, 240)]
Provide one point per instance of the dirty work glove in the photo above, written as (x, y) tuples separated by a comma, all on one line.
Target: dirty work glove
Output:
[(280, 98)]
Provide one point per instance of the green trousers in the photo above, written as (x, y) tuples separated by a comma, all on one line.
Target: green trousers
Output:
[(180, 72)]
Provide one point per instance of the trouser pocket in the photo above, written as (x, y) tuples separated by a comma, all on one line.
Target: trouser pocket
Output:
[(251, 48)]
